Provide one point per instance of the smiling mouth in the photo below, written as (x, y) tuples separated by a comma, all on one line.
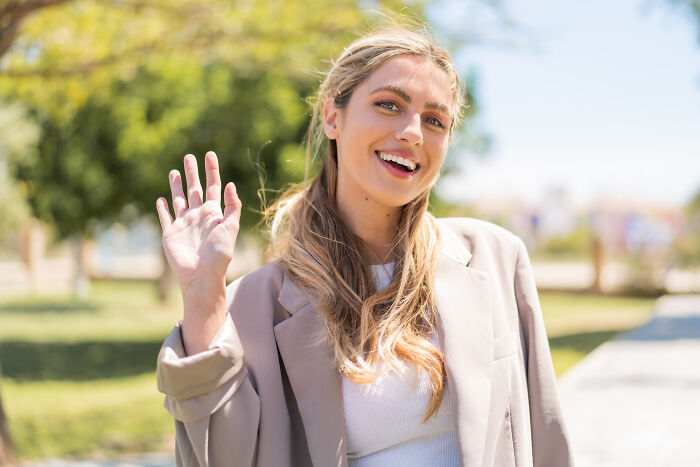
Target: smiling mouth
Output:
[(398, 162)]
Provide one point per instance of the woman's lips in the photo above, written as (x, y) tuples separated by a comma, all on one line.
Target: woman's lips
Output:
[(394, 171)]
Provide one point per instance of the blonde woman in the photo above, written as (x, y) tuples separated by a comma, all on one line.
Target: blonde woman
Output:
[(380, 336)]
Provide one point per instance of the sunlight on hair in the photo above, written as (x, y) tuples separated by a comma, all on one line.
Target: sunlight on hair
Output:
[(363, 325)]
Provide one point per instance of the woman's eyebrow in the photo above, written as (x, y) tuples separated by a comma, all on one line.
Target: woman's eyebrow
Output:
[(403, 95), (398, 91), (440, 107)]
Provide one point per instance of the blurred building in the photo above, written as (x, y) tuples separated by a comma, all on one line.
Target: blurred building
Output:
[(628, 227), (624, 226)]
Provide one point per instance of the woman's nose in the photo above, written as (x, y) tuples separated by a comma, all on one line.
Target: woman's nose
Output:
[(410, 130)]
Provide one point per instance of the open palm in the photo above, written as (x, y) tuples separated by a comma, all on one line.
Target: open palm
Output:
[(199, 242)]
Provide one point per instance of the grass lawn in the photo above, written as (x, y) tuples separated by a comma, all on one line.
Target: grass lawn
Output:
[(79, 375), (578, 323)]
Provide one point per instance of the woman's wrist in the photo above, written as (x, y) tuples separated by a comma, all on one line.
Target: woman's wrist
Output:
[(204, 307), (199, 295)]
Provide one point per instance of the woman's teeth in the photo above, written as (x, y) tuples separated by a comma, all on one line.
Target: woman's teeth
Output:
[(407, 163)]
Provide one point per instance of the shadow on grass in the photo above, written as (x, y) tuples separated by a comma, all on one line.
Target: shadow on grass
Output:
[(47, 306), (582, 341), (79, 361)]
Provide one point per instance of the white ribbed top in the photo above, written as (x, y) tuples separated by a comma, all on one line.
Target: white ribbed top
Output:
[(383, 419)]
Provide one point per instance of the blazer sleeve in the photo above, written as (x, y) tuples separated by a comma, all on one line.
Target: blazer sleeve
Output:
[(550, 443), (215, 407)]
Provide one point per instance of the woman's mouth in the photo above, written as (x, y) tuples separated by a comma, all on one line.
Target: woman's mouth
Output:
[(399, 164)]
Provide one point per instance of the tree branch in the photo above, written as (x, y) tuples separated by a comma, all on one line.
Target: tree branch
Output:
[(198, 43), (23, 9), (12, 15)]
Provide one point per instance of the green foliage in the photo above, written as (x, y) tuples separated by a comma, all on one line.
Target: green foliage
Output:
[(17, 136), (118, 152), (122, 91), (442, 208)]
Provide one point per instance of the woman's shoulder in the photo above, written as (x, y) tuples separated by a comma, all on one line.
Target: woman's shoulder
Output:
[(480, 243), (256, 290), (478, 230)]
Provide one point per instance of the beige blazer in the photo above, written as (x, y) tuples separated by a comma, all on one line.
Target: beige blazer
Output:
[(281, 405)]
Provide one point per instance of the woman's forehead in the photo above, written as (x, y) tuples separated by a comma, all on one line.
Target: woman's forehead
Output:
[(412, 77)]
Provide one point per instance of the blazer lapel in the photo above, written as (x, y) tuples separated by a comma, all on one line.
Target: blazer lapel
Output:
[(315, 382), (465, 328)]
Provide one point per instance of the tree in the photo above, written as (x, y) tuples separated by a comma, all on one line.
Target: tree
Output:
[(13, 14), (17, 135), (123, 90)]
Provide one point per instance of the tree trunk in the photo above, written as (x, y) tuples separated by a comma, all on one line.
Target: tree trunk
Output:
[(82, 251), (33, 250), (7, 454), (597, 261)]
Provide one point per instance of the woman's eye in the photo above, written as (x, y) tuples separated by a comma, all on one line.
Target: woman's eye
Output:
[(435, 122), (387, 105)]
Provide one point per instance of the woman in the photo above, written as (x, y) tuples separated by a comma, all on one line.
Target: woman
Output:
[(380, 336)]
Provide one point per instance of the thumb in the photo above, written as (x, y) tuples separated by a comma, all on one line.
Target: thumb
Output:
[(232, 208)]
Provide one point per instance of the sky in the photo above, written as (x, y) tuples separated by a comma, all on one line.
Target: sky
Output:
[(600, 98)]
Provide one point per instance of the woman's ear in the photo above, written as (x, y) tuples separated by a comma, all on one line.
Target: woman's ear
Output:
[(330, 119)]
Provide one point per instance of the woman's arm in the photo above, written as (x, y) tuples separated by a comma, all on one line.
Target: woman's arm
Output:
[(216, 409), (201, 367), (550, 444)]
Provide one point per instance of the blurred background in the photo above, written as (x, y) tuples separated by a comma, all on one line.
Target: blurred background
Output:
[(582, 137)]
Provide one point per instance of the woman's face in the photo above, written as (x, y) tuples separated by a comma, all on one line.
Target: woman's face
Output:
[(393, 133)]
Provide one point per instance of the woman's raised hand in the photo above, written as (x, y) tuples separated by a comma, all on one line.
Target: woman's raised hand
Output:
[(199, 245), (199, 242)]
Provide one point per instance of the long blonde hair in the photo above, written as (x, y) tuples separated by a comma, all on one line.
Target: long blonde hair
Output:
[(365, 326)]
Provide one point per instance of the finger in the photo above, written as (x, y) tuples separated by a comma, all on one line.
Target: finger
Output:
[(179, 203), (194, 188), (232, 206), (163, 213), (211, 166)]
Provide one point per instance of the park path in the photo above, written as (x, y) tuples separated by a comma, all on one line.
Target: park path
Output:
[(635, 400), (142, 460)]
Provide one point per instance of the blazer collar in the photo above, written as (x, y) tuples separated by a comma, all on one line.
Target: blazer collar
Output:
[(465, 329), (293, 298)]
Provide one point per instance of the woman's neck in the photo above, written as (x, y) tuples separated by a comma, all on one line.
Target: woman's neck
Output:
[(373, 222)]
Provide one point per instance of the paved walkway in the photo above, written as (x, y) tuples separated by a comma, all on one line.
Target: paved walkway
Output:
[(635, 400), (143, 460)]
